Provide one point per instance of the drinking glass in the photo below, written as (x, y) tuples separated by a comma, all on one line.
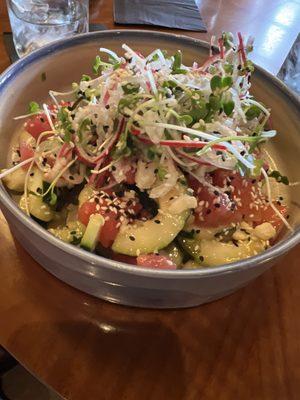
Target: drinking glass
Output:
[(35, 23)]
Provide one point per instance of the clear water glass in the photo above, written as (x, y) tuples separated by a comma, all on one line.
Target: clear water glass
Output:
[(290, 70), (35, 23)]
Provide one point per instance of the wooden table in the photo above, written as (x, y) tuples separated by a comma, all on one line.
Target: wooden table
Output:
[(245, 346)]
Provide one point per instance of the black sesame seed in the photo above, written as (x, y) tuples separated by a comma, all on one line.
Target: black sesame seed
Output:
[(71, 178), (217, 205), (132, 238), (32, 174), (216, 192), (42, 119), (242, 153), (157, 221), (197, 230), (113, 168), (201, 258)]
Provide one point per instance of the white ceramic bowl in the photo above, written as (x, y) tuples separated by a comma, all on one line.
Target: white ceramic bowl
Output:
[(64, 62)]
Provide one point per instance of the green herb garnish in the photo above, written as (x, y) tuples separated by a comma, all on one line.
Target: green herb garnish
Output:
[(66, 124), (278, 177), (177, 64), (130, 88), (161, 172), (33, 107), (253, 112)]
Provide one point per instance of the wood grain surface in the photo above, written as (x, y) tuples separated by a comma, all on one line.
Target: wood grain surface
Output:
[(245, 346)]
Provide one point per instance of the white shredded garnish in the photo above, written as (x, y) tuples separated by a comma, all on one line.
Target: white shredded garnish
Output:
[(45, 107), (152, 81), (204, 135), (269, 196), (15, 168), (110, 52)]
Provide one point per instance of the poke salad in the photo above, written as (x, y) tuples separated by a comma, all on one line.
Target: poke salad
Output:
[(153, 162)]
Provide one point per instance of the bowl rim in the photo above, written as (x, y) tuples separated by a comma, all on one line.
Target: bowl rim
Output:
[(55, 47)]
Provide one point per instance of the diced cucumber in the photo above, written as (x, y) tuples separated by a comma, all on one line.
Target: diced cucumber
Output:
[(15, 181), (174, 253), (59, 219), (91, 235), (191, 264), (150, 236), (35, 181), (192, 247), (217, 253), (37, 207), (154, 234), (210, 253), (86, 193), (72, 233)]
